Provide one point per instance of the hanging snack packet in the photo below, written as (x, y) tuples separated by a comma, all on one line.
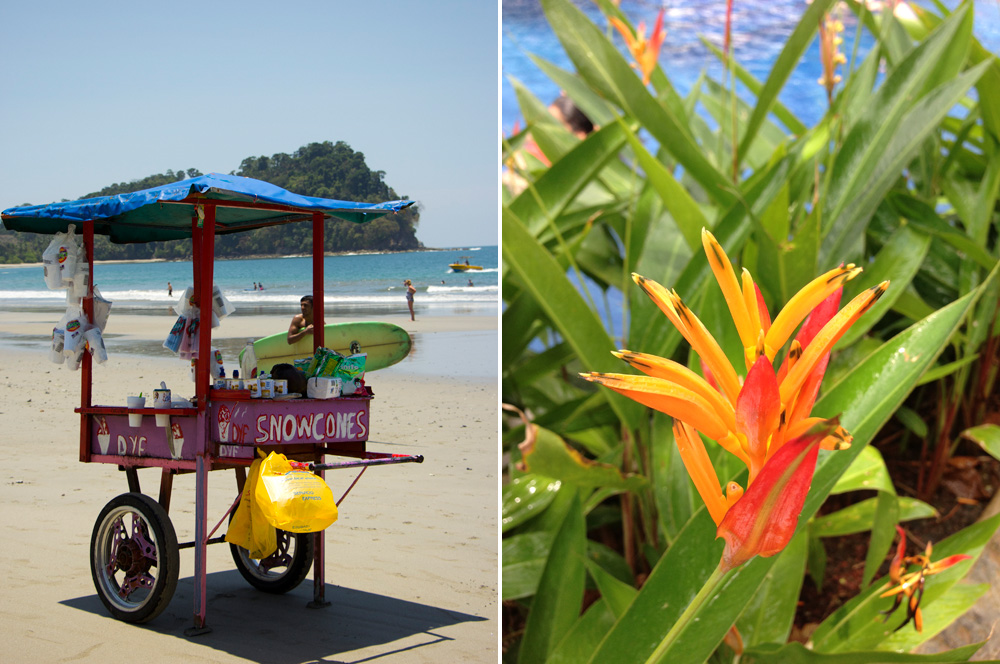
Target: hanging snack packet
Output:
[(221, 307), (173, 340), (324, 363), (189, 343), (67, 257), (56, 355), (75, 324), (95, 344), (51, 263), (350, 368)]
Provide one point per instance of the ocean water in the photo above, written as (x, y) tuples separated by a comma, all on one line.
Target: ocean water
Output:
[(355, 284), (759, 33)]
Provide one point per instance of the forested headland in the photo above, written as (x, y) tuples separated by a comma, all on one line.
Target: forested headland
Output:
[(327, 170)]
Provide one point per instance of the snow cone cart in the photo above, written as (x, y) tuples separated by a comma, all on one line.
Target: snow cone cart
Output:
[(134, 548)]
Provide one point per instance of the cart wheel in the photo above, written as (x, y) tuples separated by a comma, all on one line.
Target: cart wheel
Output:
[(284, 569), (134, 558)]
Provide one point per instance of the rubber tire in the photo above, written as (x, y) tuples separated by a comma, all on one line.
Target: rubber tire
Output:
[(167, 557), (294, 574)]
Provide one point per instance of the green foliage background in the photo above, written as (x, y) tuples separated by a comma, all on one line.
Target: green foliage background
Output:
[(326, 170), (611, 559)]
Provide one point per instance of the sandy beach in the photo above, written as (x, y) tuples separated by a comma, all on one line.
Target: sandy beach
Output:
[(411, 565)]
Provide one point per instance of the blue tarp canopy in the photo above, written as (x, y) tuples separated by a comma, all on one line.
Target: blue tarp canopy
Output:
[(165, 212)]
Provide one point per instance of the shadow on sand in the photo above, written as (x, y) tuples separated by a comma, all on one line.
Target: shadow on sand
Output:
[(280, 628)]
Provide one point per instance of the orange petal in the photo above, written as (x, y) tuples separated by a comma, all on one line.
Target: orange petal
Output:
[(763, 521), (826, 338), (692, 329), (699, 467), (765, 315), (666, 397), (803, 302), (757, 411), (723, 270), (660, 367)]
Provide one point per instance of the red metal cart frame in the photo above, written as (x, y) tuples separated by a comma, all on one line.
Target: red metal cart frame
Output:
[(217, 444)]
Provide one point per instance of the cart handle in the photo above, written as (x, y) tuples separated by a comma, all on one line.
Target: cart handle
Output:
[(380, 461)]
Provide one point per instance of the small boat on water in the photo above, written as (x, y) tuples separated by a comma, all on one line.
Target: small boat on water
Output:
[(464, 266)]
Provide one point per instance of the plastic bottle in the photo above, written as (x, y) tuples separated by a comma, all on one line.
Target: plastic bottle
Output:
[(248, 361), (220, 369)]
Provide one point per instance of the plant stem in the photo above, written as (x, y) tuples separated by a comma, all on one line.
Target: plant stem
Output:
[(690, 613)]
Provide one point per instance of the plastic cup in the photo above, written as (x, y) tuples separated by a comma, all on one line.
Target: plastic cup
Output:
[(135, 419), (161, 399)]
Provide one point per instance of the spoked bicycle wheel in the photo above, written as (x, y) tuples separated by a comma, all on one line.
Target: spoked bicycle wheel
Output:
[(284, 569), (134, 558)]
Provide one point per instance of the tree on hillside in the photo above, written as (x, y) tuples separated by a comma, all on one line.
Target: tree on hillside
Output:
[(326, 170)]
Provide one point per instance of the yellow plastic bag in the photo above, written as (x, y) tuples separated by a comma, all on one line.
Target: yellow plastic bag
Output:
[(295, 501), (249, 529)]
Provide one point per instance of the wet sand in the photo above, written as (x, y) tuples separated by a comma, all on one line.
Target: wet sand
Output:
[(411, 565)]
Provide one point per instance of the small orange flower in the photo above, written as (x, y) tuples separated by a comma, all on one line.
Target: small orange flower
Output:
[(912, 584), (645, 53), (762, 420)]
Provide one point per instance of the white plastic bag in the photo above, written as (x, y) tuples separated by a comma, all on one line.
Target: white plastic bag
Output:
[(102, 309), (51, 263)]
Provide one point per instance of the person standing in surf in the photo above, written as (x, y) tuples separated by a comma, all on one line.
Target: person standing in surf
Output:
[(410, 290), (302, 324)]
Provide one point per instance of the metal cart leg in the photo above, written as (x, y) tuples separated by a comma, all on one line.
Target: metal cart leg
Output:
[(200, 549), (319, 564)]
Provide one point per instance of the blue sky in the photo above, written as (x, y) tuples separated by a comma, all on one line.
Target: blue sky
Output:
[(93, 93)]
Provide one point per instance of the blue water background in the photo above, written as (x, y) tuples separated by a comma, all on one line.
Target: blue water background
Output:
[(355, 284), (759, 33)]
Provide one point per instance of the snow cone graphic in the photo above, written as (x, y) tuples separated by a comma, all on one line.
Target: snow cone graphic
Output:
[(224, 418), (61, 256), (176, 440), (103, 435)]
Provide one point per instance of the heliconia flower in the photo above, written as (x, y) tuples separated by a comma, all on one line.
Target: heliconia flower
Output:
[(645, 53), (912, 584), (763, 419)]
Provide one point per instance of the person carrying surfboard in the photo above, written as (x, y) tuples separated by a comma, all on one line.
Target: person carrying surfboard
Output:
[(302, 324)]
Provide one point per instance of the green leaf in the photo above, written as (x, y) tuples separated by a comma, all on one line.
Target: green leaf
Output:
[(674, 581), (867, 472), (881, 142), (538, 206), (943, 370), (857, 518), (617, 594), (986, 436), (898, 261), (685, 211), (883, 530), (578, 324), (796, 653), (524, 498), (524, 557), (552, 457), (770, 614), (560, 591), (912, 421), (583, 637)]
